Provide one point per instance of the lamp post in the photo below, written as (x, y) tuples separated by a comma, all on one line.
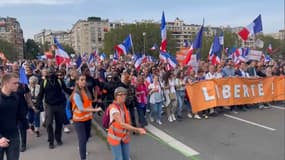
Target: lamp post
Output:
[(144, 34)]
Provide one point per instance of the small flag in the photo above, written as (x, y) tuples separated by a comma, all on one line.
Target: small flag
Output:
[(221, 38), (22, 76), (154, 47), (163, 34), (269, 49), (78, 61), (123, 48), (102, 56), (60, 55)]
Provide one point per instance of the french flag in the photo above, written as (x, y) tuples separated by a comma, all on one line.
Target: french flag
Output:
[(123, 49), (253, 28), (148, 80), (154, 47), (215, 56), (267, 58), (195, 45), (163, 34), (91, 58), (139, 60), (172, 61), (60, 55), (269, 49), (188, 55), (102, 56), (115, 58), (163, 57)]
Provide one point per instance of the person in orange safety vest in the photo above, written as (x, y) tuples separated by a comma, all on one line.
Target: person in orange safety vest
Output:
[(81, 101), (118, 133)]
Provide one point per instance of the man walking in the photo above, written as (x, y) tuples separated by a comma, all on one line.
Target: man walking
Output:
[(54, 99), (11, 112)]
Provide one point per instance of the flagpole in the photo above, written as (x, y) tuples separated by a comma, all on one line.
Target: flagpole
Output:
[(133, 48)]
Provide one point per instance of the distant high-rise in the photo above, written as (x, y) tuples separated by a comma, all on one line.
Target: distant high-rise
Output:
[(88, 35), (10, 30)]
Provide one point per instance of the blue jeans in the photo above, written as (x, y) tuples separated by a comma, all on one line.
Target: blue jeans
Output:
[(13, 151), (188, 104), (34, 118), (141, 108), (83, 130), (180, 99), (156, 111), (121, 151)]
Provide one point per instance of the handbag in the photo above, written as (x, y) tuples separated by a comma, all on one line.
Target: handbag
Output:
[(172, 96)]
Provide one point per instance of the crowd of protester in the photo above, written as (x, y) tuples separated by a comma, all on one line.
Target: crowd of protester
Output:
[(154, 91)]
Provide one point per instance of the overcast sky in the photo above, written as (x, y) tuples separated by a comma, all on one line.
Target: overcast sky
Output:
[(35, 15)]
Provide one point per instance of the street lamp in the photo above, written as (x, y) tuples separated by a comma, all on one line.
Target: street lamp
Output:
[(144, 34)]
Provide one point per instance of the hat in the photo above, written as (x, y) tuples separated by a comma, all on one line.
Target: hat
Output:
[(120, 90)]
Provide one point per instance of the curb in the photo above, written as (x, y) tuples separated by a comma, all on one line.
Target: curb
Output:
[(98, 126)]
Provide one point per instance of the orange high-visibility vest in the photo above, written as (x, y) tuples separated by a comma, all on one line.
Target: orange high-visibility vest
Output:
[(116, 133), (81, 116)]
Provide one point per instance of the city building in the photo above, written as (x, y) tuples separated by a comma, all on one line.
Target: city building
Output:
[(10, 30), (279, 35), (47, 36), (182, 32), (88, 35)]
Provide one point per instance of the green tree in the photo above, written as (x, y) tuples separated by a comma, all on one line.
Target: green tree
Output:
[(278, 46), (9, 50), (152, 36), (31, 49), (230, 40)]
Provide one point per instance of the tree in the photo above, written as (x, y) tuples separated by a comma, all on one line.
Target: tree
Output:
[(152, 36), (9, 50), (230, 40), (31, 49)]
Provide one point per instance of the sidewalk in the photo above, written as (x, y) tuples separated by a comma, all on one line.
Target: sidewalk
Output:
[(38, 148)]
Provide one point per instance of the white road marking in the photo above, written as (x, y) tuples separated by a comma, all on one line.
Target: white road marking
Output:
[(277, 107), (249, 122), (172, 142)]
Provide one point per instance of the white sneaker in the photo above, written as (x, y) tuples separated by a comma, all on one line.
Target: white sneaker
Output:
[(173, 117), (189, 115), (170, 119), (66, 130), (196, 116), (151, 119), (261, 106), (159, 122)]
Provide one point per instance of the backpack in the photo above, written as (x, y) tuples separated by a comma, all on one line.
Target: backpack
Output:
[(45, 82), (106, 116)]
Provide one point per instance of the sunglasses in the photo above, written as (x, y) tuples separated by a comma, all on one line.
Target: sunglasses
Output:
[(121, 94)]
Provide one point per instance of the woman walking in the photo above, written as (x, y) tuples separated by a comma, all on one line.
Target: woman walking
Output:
[(81, 102)]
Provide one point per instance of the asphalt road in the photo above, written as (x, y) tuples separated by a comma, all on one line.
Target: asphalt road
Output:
[(252, 135), (224, 138)]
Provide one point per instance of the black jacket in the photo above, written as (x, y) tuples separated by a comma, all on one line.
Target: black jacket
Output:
[(11, 112), (52, 92)]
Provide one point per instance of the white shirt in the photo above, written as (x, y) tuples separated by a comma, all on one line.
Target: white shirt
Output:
[(153, 86), (209, 75)]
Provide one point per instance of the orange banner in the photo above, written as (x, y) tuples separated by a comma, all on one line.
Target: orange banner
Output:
[(235, 91)]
